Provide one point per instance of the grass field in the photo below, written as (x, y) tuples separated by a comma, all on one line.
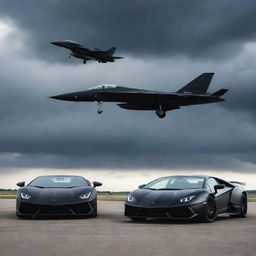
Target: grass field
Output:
[(111, 198), (8, 192), (251, 197)]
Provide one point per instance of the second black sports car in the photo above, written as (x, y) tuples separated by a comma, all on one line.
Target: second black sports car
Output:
[(57, 195), (187, 197)]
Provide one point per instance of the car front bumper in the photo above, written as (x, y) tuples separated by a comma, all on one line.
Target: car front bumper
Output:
[(184, 212), (38, 210)]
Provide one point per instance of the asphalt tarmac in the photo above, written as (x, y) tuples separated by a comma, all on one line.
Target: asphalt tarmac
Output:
[(111, 234)]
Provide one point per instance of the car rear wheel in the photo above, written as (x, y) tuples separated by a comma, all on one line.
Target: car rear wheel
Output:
[(243, 208), (137, 219), (210, 210)]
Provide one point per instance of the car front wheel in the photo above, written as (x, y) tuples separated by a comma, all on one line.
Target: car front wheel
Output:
[(210, 210)]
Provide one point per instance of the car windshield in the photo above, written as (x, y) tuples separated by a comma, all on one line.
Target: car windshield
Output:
[(58, 182), (176, 183)]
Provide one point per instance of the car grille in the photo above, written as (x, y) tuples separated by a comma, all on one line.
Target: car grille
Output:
[(54, 210), (161, 212), (180, 212), (37, 210), (81, 208), (174, 212), (145, 212), (28, 208)]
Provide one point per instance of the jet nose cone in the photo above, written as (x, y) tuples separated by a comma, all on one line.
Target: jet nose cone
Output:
[(67, 97), (57, 97), (56, 43)]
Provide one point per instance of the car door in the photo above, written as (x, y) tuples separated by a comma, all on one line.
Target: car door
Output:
[(222, 196)]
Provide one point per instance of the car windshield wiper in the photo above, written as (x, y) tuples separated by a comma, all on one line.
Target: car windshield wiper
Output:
[(165, 188), (170, 189)]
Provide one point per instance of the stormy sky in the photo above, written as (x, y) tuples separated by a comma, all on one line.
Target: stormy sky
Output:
[(165, 44)]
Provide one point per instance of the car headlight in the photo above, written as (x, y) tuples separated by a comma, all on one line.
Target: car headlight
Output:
[(131, 198), (85, 196), (25, 196), (187, 199)]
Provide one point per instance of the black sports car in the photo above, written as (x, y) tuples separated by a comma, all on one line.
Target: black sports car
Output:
[(187, 197), (57, 195)]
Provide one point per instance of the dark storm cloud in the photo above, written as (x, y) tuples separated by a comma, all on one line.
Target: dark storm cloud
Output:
[(195, 28), (40, 132), (37, 131)]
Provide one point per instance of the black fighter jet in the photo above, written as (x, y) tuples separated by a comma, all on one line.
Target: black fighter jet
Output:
[(81, 52), (194, 93)]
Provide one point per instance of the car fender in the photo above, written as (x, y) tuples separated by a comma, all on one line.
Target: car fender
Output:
[(236, 195), (201, 197)]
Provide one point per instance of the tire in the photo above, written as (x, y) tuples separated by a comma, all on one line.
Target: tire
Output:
[(20, 216), (210, 210), (94, 212), (243, 208), (94, 215), (161, 114), (138, 219)]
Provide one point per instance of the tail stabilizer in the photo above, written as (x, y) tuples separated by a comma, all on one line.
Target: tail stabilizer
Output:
[(219, 93), (111, 51), (199, 85)]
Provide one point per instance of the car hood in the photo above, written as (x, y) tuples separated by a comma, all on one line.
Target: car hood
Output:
[(56, 195), (167, 198)]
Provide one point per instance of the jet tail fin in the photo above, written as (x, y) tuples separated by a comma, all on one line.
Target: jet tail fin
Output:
[(111, 51), (199, 85), (219, 93)]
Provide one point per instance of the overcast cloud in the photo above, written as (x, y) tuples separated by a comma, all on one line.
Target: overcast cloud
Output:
[(165, 45)]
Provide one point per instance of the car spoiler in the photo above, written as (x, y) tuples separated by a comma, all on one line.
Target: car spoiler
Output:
[(238, 183)]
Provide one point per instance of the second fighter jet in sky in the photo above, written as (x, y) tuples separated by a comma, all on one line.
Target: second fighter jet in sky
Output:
[(81, 52)]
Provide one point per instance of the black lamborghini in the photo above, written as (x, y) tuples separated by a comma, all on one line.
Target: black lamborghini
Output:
[(57, 195), (187, 197)]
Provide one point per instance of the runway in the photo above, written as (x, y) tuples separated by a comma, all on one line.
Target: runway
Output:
[(111, 234)]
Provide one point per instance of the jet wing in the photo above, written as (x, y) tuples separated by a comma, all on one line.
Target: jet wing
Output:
[(83, 48), (99, 55), (132, 106)]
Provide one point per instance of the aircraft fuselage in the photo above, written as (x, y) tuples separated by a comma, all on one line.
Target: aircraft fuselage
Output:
[(85, 54)]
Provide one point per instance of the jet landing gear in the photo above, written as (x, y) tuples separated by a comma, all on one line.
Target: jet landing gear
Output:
[(99, 104), (84, 61), (160, 112)]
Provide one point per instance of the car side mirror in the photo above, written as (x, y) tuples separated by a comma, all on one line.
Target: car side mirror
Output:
[(21, 184), (219, 186), (97, 184), (142, 186)]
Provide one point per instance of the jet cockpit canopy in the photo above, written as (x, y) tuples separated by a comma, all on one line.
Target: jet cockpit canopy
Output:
[(103, 87), (70, 41)]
